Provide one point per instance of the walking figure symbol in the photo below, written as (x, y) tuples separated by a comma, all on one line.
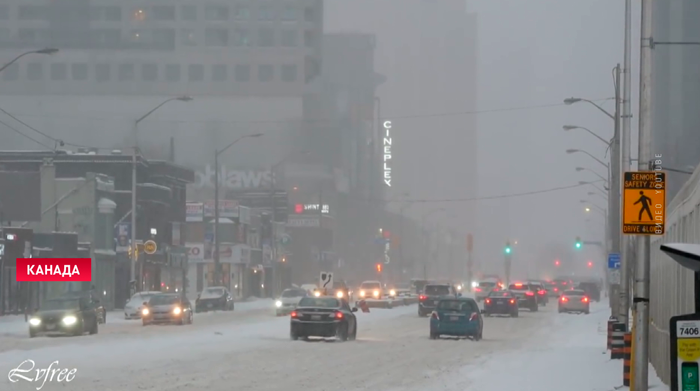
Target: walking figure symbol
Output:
[(644, 200)]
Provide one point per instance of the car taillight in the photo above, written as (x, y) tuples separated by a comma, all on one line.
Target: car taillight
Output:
[(293, 314), (434, 315), (488, 301), (585, 300), (512, 301), (528, 293), (563, 283), (542, 292), (556, 289), (564, 299), (474, 317), (339, 315), (422, 297), (477, 289)]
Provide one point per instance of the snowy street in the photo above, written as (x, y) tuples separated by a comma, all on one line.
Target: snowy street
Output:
[(251, 350)]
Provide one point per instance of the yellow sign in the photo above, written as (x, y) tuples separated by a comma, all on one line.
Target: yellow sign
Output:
[(150, 247), (689, 349), (644, 203)]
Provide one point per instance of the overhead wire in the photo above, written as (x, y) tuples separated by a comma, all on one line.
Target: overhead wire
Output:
[(25, 135)]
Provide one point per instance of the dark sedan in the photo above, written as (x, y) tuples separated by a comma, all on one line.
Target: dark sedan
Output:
[(64, 316), (167, 309), (92, 300), (214, 298), (324, 317), (501, 303)]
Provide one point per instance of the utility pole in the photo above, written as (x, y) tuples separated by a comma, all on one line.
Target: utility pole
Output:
[(134, 250), (273, 236), (641, 291), (217, 260), (616, 195)]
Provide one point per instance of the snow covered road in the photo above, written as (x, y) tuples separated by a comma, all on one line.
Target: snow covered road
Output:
[(254, 353)]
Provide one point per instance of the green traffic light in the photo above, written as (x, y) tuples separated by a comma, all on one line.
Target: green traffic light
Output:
[(507, 250)]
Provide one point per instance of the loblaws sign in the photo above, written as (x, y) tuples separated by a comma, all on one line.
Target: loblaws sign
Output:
[(233, 179)]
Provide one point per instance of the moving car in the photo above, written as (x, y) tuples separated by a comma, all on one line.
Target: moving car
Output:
[(288, 300), (562, 284), (64, 316), (403, 289), (92, 301), (540, 291), (483, 289), (418, 285), (310, 288), (371, 290), (527, 298), (552, 290), (432, 293), (134, 306), (339, 290), (574, 301), (457, 317), (214, 298), (501, 303), (167, 308), (324, 317), (591, 289)]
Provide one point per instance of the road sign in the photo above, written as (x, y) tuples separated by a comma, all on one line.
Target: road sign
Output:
[(615, 277), (325, 280), (150, 247), (644, 203), (285, 238), (613, 261)]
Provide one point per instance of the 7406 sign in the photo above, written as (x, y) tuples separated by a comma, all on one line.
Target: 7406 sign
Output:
[(689, 331)]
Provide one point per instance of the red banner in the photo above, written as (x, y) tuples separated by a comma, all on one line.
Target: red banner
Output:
[(54, 269)]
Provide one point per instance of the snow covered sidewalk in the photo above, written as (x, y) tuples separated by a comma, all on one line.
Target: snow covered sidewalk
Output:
[(571, 355)]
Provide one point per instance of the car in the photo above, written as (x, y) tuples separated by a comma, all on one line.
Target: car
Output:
[(310, 288), (483, 289), (324, 317), (527, 298), (288, 300), (418, 285), (134, 306), (540, 291), (214, 298), (371, 290), (167, 308), (574, 301), (64, 316), (339, 290), (591, 289), (457, 317), (562, 284), (501, 303), (432, 293), (403, 289), (552, 290), (92, 300)]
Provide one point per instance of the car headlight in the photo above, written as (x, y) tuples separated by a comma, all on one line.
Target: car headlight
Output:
[(474, 284), (392, 293), (145, 311), (362, 293), (339, 294), (317, 294), (70, 320), (177, 311), (459, 287), (376, 293), (278, 304), (34, 321)]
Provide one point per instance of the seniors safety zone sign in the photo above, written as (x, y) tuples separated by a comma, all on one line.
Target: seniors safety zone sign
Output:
[(685, 352)]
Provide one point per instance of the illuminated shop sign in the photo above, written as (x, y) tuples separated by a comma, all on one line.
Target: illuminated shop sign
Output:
[(310, 208), (386, 155)]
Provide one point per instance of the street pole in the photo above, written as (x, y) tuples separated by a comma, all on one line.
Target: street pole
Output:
[(217, 260), (134, 247), (615, 197), (641, 291), (273, 237), (400, 260)]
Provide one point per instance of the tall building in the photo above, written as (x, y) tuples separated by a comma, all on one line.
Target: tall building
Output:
[(676, 89), (247, 66)]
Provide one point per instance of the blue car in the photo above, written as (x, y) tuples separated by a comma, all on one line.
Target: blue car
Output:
[(457, 317)]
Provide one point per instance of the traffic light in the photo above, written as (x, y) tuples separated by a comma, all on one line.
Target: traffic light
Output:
[(578, 243), (557, 263), (590, 264), (379, 268), (508, 249)]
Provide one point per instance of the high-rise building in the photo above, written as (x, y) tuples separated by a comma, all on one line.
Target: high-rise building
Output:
[(676, 90), (247, 66)]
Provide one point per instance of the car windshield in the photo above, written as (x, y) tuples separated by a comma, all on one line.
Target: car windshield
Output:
[(500, 294), (518, 287), (457, 305), (575, 293), (323, 302), (536, 287), (371, 285), (437, 290), (213, 292), (141, 297), (163, 300), (293, 293), (60, 304), (487, 284)]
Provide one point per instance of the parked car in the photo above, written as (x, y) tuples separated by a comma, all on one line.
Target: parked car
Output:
[(214, 298)]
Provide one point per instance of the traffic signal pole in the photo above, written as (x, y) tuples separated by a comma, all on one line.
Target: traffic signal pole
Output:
[(508, 252)]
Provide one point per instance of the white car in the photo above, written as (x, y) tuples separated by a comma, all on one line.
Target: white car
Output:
[(288, 300), (372, 290), (133, 307)]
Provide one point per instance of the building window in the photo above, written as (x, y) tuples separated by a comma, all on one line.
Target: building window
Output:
[(172, 72), (309, 39), (188, 13), (289, 13), (35, 71), (107, 37), (266, 37), (149, 72), (163, 12), (241, 12), (289, 38), (187, 37), (266, 72), (216, 37), (241, 37), (216, 13), (80, 71), (164, 37), (138, 14), (267, 12), (218, 72), (241, 72), (4, 12), (195, 72), (125, 72), (11, 73), (289, 73), (31, 12), (309, 14), (102, 72), (30, 36), (59, 71), (140, 36)]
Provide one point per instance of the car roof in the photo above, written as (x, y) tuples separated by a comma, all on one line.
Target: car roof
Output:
[(574, 292), (437, 284), (458, 298)]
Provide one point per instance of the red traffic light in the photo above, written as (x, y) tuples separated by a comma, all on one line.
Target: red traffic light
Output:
[(379, 267), (557, 263), (590, 264)]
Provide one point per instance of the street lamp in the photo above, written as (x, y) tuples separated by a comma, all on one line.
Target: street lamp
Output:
[(593, 193), (594, 186), (48, 51), (570, 151), (572, 127), (570, 101), (579, 169), (133, 185), (217, 260)]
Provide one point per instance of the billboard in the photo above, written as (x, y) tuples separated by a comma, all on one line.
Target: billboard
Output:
[(20, 196)]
